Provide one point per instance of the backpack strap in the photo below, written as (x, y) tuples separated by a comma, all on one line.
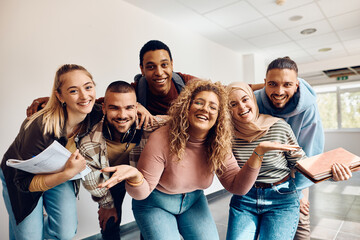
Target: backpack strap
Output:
[(178, 81), (141, 89)]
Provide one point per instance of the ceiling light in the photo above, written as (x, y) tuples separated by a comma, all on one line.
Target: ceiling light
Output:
[(295, 18), (280, 2), (324, 49), (308, 31)]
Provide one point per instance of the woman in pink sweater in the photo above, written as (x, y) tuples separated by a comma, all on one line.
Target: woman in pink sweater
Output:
[(180, 160)]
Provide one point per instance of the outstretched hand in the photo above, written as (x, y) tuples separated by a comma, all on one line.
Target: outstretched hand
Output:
[(121, 173), (266, 146), (340, 172)]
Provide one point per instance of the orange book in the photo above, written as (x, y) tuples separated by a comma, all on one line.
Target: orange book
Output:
[(318, 168)]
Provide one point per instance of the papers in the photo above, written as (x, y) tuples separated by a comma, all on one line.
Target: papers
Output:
[(51, 160), (318, 168)]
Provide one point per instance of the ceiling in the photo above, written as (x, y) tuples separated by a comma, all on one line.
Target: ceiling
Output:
[(264, 27)]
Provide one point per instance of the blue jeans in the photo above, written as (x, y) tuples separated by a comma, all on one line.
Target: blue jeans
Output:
[(270, 213), (60, 222), (164, 216)]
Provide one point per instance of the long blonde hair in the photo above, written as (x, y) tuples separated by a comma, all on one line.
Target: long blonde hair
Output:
[(54, 113), (219, 138)]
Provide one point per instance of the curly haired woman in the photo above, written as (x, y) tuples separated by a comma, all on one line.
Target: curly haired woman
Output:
[(180, 160)]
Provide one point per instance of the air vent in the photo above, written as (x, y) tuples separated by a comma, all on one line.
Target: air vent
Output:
[(356, 69), (341, 72)]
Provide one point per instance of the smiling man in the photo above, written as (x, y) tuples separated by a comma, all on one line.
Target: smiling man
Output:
[(157, 85), (108, 144), (291, 98)]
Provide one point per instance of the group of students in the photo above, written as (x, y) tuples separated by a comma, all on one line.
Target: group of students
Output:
[(208, 129)]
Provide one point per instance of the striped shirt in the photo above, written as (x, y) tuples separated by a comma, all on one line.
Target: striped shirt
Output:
[(276, 164)]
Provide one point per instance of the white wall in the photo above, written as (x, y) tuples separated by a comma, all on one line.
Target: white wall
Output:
[(104, 36)]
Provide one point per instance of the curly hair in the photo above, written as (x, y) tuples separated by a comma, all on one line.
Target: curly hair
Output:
[(219, 138)]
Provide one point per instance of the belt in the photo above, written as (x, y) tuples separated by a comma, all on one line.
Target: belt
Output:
[(269, 185)]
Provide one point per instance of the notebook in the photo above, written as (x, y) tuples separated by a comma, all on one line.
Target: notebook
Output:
[(318, 168)]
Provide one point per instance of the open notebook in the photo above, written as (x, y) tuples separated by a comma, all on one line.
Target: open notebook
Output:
[(318, 168)]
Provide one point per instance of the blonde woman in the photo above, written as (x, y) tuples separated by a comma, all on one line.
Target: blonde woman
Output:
[(65, 118), (180, 160)]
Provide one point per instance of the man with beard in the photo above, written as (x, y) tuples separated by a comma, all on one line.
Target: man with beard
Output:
[(291, 98), (108, 144)]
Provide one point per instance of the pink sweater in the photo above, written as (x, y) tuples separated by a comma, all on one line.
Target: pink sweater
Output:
[(191, 173)]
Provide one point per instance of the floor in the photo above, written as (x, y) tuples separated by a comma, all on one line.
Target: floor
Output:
[(335, 211)]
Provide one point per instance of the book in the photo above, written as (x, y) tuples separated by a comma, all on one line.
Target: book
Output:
[(318, 168), (51, 160)]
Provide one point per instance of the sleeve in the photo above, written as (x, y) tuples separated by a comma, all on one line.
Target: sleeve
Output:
[(151, 165), (238, 180), (311, 139), (30, 142), (311, 136), (292, 156), (100, 195), (160, 120)]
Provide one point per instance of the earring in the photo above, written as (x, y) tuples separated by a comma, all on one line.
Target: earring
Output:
[(63, 104)]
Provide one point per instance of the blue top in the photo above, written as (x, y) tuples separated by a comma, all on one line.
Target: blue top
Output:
[(302, 114)]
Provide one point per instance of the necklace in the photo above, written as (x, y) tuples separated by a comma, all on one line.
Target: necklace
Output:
[(75, 131)]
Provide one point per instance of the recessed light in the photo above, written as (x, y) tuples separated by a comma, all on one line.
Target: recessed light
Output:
[(295, 18), (308, 31), (324, 49)]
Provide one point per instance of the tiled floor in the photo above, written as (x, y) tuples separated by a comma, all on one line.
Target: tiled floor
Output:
[(335, 211)]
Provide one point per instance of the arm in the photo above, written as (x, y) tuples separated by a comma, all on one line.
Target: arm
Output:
[(145, 116), (239, 181), (159, 121), (151, 164), (42, 182), (257, 86), (91, 181)]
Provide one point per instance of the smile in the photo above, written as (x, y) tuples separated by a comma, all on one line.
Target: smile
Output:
[(85, 103), (121, 121), (202, 117), (160, 80), (241, 114), (279, 98)]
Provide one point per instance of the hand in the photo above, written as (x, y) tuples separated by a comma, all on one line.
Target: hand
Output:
[(304, 206), (144, 116), (266, 146), (36, 105), (105, 214), (121, 173), (75, 164), (257, 86), (99, 100), (340, 172)]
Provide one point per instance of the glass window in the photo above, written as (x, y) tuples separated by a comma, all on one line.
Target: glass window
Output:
[(350, 109), (328, 109), (339, 106)]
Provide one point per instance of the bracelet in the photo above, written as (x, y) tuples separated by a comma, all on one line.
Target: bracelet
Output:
[(135, 184), (259, 155)]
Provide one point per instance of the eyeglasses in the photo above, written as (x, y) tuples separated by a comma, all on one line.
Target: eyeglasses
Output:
[(201, 104)]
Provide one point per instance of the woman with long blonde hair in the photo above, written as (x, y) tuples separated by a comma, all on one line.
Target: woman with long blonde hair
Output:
[(65, 118), (180, 160)]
